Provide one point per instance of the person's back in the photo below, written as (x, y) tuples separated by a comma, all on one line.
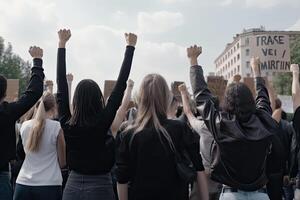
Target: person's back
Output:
[(155, 175), (40, 175), (242, 130), (11, 112), (41, 167), (147, 158)]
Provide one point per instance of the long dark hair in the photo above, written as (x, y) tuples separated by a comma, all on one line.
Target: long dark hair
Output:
[(88, 104), (239, 101)]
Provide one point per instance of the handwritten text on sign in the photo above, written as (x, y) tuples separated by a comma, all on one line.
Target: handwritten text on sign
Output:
[(274, 52)]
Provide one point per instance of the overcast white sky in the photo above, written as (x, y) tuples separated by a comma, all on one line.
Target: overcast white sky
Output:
[(165, 28)]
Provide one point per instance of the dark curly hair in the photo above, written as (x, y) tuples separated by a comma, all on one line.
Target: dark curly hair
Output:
[(239, 101)]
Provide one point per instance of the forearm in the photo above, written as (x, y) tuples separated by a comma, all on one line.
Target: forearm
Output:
[(121, 113), (122, 191), (199, 86), (202, 186), (296, 90), (62, 85), (262, 95), (33, 92)]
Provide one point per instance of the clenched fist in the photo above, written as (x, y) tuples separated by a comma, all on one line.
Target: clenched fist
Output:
[(255, 62), (194, 51), (295, 68), (130, 83), (69, 77), (182, 88), (36, 52), (64, 35), (131, 39)]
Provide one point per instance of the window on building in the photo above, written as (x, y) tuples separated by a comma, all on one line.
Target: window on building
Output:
[(228, 54), (234, 71), (231, 72), (238, 69), (228, 64), (248, 64), (234, 48), (247, 52), (231, 62), (234, 59), (231, 52), (247, 41), (238, 56), (238, 45)]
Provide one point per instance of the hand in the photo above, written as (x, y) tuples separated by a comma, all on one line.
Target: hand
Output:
[(130, 83), (255, 62), (295, 68), (69, 77), (194, 51), (64, 35), (131, 39), (182, 88), (49, 83), (36, 52)]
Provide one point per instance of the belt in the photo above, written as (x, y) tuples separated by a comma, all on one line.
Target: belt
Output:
[(229, 189)]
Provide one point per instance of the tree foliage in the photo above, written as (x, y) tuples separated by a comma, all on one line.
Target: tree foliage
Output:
[(283, 81), (13, 66)]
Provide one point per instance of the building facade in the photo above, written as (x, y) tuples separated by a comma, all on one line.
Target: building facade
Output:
[(273, 48)]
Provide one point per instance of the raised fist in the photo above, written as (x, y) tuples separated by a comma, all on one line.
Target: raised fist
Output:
[(294, 68), (48, 83), (255, 62), (69, 77), (194, 51), (131, 39), (130, 83), (182, 88), (36, 52), (64, 35)]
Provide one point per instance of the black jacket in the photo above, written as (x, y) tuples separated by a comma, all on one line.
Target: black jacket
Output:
[(11, 112), (243, 145)]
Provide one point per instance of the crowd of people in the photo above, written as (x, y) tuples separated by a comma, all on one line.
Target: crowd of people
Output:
[(94, 148)]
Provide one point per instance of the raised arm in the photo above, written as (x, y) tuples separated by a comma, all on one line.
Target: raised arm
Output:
[(262, 96), (295, 86), (194, 122), (116, 96), (121, 113), (35, 88), (64, 113)]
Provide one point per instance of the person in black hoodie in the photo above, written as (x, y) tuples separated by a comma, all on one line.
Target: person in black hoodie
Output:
[(90, 147), (243, 130), (11, 112)]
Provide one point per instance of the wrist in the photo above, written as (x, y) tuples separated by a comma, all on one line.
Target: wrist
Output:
[(193, 61), (61, 44)]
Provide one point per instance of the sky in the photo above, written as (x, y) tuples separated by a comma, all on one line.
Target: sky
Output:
[(165, 28)]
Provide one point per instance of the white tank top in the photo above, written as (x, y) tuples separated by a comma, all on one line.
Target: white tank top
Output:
[(41, 168)]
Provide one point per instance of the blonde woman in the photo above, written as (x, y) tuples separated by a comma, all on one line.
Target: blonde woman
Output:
[(44, 145), (145, 157)]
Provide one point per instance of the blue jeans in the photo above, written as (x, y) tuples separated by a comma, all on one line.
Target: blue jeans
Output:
[(88, 187), (5, 186), (24, 192), (243, 195)]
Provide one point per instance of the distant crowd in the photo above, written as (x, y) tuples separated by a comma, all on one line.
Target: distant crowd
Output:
[(160, 147)]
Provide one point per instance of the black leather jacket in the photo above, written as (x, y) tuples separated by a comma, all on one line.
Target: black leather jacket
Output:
[(242, 145)]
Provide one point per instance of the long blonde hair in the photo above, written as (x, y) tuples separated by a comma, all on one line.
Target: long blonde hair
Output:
[(153, 103), (46, 104)]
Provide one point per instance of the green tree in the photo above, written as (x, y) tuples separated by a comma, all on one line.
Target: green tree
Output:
[(13, 66), (283, 81)]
